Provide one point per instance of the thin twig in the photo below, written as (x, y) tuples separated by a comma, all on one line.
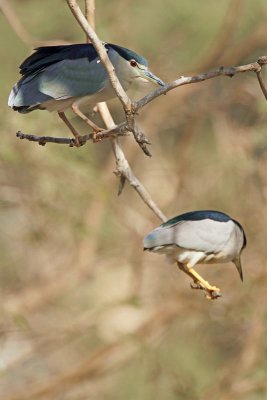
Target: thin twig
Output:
[(262, 61), (123, 170), (118, 130), (90, 14), (262, 85), (187, 80)]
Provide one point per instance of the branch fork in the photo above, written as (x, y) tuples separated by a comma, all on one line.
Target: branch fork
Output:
[(113, 131)]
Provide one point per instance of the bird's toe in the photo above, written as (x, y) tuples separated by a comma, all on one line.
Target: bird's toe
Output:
[(95, 135), (78, 141), (213, 294)]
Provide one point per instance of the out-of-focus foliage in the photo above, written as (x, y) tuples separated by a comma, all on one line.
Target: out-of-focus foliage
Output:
[(85, 314)]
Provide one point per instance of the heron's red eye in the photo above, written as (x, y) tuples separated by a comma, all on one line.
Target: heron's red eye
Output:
[(133, 63)]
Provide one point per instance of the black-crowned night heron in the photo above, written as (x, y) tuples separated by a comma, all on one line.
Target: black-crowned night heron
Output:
[(199, 237), (55, 78)]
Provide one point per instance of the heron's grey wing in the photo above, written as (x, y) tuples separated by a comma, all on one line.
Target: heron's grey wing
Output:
[(203, 235), (72, 78), (62, 80), (26, 93)]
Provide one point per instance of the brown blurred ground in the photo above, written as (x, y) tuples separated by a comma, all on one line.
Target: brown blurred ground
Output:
[(85, 314)]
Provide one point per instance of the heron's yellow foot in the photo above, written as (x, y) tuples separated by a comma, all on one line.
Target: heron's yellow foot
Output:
[(212, 292), (78, 141), (212, 295), (95, 133)]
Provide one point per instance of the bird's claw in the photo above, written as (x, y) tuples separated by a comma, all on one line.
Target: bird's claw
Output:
[(74, 142), (95, 138), (77, 141), (212, 292)]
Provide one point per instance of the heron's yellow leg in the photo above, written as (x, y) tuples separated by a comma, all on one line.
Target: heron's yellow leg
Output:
[(76, 134), (199, 278), (95, 128), (211, 291)]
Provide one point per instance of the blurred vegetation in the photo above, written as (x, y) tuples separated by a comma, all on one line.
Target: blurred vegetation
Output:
[(85, 314)]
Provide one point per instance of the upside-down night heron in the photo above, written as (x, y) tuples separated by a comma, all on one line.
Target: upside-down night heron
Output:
[(55, 78), (199, 237)]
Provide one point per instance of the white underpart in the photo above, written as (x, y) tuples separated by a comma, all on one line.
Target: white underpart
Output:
[(195, 242)]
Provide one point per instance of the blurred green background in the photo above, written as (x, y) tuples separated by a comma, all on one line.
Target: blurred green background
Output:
[(85, 314)]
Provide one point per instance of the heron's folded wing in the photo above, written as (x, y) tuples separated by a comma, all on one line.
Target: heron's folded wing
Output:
[(206, 235), (72, 78)]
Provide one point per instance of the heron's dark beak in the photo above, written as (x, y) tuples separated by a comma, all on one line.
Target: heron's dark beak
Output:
[(152, 78), (238, 265)]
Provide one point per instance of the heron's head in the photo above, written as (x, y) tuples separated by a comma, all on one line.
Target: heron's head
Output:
[(136, 66)]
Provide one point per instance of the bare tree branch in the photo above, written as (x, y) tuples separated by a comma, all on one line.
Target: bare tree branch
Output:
[(121, 129), (120, 92), (130, 109), (262, 61), (118, 130), (187, 80), (123, 170), (90, 14), (100, 48)]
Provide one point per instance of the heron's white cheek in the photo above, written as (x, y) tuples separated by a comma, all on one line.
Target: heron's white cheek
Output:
[(142, 80)]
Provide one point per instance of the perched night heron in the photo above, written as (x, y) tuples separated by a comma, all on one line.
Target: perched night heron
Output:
[(199, 237), (55, 78)]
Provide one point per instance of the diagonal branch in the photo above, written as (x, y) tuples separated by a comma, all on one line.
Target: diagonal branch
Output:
[(123, 169), (101, 51), (187, 80), (262, 61), (90, 14), (120, 92)]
